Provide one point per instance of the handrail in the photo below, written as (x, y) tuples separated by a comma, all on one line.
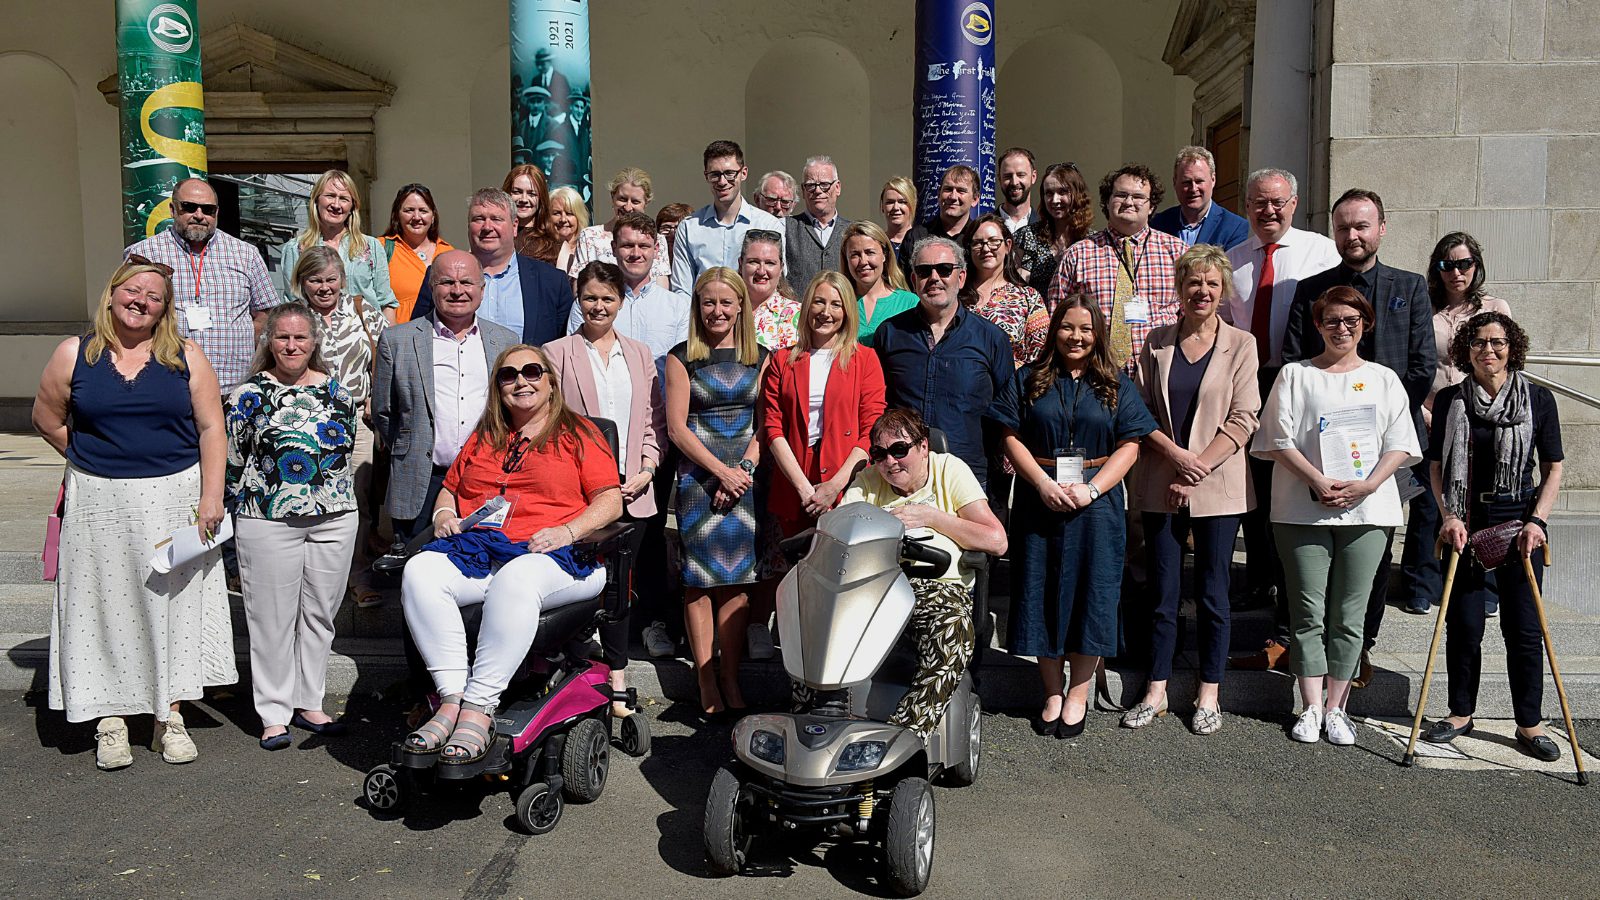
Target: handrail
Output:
[(1535, 359), (1575, 394)]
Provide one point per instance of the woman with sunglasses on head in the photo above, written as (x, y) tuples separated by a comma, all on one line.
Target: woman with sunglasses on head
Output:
[(771, 298), (536, 236), (413, 236), (1072, 425), (334, 219), (1332, 513), (996, 291), (137, 412), (1067, 216), (712, 394), (1487, 430), (867, 258), (557, 474)]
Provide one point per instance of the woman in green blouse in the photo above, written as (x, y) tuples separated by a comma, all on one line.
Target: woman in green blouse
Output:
[(867, 260)]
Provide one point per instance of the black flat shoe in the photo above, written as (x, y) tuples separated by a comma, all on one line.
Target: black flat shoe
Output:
[(1415, 610), (1066, 732), (1044, 727), (326, 729), (1442, 732), (276, 742), (1541, 748)]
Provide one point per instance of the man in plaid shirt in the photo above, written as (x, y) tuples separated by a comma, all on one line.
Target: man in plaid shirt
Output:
[(1136, 292), (219, 282)]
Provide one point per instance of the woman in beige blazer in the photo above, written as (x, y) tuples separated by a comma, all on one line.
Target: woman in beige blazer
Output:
[(1198, 378), (605, 375)]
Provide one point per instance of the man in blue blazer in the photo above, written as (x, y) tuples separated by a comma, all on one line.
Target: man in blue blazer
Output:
[(530, 297), (1196, 220)]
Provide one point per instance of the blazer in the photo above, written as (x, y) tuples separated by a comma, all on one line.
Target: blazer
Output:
[(852, 401), (1228, 403), (402, 405), (1221, 227), (546, 300), (1401, 338), (647, 418), (804, 256)]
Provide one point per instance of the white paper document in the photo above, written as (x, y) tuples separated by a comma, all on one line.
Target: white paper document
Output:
[(185, 544), (1348, 439)]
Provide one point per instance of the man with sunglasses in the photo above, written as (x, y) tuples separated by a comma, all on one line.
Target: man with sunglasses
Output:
[(220, 284), (713, 234), (1401, 338), (816, 234), (958, 192), (943, 360)]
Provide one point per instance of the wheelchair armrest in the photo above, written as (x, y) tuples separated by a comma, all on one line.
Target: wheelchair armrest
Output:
[(606, 539), (975, 559)]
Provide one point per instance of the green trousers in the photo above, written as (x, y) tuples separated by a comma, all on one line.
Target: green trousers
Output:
[(1329, 571)]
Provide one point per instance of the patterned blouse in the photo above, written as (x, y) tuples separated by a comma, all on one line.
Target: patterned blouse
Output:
[(594, 243), (347, 343), (1020, 313), (289, 448), (775, 323)]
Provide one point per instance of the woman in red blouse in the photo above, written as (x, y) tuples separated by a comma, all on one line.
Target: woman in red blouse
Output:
[(557, 473)]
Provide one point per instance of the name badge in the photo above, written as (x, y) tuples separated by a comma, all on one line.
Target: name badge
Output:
[(197, 316), (1136, 310), (1069, 466), (497, 519)]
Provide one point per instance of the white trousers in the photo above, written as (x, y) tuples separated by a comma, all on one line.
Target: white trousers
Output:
[(293, 572), (434, 591)]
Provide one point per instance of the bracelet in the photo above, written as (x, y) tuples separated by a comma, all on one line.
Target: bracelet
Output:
[(445, 510), (1541, 523), (572, 536)]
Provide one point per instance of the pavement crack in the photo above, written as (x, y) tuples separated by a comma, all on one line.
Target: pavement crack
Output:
[(495, 878)]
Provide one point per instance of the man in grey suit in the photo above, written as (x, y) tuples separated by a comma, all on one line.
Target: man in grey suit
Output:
[(814, 236), (1401, 338), (432, 383)]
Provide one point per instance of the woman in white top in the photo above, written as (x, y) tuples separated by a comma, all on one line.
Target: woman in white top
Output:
[(568, 217), (1332, 515), (631, 191)]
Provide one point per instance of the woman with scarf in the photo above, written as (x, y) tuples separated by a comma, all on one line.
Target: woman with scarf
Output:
[(1486, 432)]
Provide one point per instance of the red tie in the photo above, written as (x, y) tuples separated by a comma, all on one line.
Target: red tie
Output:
[(1261, 316)]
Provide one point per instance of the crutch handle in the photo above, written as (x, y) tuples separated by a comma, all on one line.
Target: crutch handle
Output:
[(1547, 551)]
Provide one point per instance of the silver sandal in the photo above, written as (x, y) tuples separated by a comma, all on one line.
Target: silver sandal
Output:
[(431, 736)]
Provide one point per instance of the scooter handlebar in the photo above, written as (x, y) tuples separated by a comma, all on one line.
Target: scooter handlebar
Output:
[(922, 560)]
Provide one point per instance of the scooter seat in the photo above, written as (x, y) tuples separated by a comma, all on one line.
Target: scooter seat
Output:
[(562, 624)]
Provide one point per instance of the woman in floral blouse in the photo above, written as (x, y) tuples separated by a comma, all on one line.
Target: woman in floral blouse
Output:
[(774, 302), (291, 431), (350, 329), (995, 291)]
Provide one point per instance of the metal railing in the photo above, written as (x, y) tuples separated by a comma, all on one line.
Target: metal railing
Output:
[(1544, 359)]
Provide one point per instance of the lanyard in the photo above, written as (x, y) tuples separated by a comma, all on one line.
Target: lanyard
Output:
[(197, 270), (1072, 415), (1133, 272), (516, 453)]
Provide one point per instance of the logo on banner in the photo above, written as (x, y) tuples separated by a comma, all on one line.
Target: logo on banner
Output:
[(977, 23), (170, 28)]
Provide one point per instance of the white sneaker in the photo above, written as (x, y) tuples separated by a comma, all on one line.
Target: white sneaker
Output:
[(758, 639), (1341, 732), (657, 642), (1309, 727), (172, 741), (113, 752)]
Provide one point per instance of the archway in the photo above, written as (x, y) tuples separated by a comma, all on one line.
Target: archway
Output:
[(41, 210)]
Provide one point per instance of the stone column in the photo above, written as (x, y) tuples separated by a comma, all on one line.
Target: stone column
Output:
[(1280, 99)]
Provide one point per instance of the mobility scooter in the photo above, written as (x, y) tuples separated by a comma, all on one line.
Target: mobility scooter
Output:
[(555, 719), (839, 767)]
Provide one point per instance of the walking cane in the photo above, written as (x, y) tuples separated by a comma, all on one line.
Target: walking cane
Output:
[(1433, 651), (1555, 671)]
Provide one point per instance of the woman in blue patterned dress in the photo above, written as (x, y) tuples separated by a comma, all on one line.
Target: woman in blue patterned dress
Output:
[(291, 430), (713, 388)]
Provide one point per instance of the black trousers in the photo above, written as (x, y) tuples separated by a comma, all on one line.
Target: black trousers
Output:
[(1519, 624), (1262, 567), (1213, 552), (419, 680), (614, 637), (1419, 569)]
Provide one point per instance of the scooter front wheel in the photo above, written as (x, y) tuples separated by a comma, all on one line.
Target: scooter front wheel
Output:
[(726, 829), (538, 808), (908, 837)]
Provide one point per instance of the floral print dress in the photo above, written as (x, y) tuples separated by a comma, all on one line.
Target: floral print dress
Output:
[(289, 448), (1020, 313)]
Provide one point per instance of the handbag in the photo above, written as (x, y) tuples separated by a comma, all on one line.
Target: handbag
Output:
[(1490, 545), (52, 536)]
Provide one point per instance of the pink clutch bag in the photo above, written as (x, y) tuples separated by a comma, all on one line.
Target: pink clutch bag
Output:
[(52, 536)]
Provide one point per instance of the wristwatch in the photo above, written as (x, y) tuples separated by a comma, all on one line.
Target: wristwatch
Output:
[(748, 466), (1094, 492), (1541, 523)]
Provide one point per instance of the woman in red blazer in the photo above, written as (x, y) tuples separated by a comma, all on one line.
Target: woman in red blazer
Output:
[(819, 401)]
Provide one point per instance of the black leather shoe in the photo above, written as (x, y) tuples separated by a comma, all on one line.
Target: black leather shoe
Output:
[(1416, 610), (1442, 732), (1066, 732), (276, 742), (326, 729), (1043, 727), (1541, 748), (1255, 598)]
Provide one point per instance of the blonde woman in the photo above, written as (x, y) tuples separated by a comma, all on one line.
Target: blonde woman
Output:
[(867, 258), (898, 203), (631, 191), (713, 389), (568, 217), (334, 218)]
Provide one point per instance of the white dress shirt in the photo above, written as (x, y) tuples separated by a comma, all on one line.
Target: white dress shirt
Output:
[(821, 365), (823, 232), (704, 242), (1300, 254), (652, 315), (460, 389), (613, 388)]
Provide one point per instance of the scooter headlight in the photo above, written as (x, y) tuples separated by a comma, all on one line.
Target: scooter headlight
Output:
[(862, 755), (768, 746)]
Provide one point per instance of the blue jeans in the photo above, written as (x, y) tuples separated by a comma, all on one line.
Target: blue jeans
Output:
[(1213, 552)]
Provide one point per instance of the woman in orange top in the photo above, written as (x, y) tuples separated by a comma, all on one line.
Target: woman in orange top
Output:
[(411, 242)]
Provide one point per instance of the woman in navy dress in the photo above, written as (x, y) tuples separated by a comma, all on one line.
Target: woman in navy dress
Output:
[(1068, 531)]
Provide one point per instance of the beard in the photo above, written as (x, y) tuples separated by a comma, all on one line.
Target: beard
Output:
[(1015, 194), (197, 233)]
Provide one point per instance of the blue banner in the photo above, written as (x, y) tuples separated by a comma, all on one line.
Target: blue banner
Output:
[(953, 101), (551, 122)]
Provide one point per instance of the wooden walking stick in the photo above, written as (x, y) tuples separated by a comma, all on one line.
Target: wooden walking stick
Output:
[(1555, 670), (1433, 651)]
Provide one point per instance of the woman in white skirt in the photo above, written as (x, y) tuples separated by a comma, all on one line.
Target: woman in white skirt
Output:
[(136, 410), (291, 429)]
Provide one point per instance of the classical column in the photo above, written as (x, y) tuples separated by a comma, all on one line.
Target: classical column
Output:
[(163, 117), (953, 98)]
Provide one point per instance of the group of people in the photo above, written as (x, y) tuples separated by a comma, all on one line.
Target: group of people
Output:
[(1101, 398)]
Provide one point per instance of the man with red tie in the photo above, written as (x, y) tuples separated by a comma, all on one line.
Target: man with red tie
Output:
[(1266, 270)]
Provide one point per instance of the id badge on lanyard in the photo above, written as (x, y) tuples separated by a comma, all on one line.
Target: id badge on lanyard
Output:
[(497, 519), (1069, 465)]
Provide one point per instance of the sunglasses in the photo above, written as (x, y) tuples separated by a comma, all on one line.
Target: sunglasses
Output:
[(1459, 265), (530, 373), (764, 235), (135, 259), (205, 209), (923, 270), (898, 450)]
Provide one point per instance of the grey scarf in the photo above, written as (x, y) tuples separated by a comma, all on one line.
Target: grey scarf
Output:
[(1512, 417)]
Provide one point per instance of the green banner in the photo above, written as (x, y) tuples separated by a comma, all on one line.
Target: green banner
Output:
[(163, 112)]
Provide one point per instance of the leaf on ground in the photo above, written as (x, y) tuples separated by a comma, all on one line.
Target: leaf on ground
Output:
[(129, 872), (387, 870), (313, 876)]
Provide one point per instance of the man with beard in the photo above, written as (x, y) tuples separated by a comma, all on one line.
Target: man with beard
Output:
[(958, 191), (1017, 176), (219, 283)]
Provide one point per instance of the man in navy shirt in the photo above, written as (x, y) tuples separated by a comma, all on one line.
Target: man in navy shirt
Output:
[(940, 359)]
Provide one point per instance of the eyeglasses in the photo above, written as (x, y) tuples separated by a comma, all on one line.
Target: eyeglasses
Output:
[(924, 270), (1496, 344), (1126, 197), (898, 450), (1459, 265), (1263, 205), (1349, 323), (137, 260), (530, 373), (728, 175), (205, 209), (779, 202), (989, 244), (818, 187)]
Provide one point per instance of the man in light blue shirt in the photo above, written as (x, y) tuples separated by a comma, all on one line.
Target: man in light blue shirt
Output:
[(650, 314), (712, 235), (502, 296)]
